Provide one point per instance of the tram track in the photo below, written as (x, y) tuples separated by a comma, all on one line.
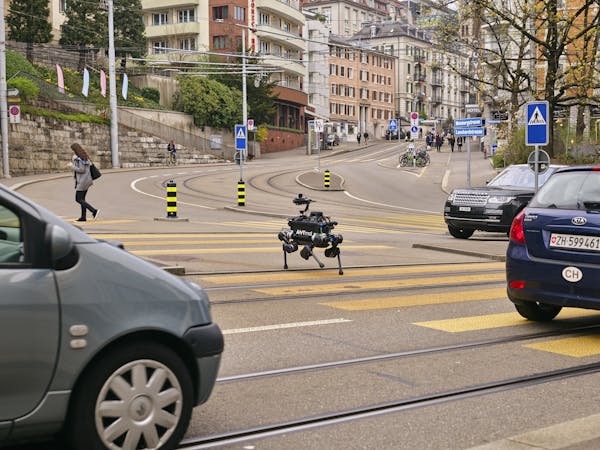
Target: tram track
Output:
[(408, 353), (351, 414)]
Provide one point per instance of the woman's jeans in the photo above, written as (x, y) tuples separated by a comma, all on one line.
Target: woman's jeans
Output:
[(80, 198)]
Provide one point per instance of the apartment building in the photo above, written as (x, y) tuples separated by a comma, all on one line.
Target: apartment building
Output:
[(173, 25), (346, 17), (361, 82), (276, 36), (317, 63)]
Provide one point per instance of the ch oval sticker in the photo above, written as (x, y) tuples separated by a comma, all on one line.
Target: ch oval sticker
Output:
[(572, 274)]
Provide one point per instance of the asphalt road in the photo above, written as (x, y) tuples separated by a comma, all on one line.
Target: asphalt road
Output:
[(417, 314)]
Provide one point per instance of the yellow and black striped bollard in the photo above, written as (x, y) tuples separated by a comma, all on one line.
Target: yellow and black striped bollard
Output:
[(327, 178), (241, 193), (171, 199)]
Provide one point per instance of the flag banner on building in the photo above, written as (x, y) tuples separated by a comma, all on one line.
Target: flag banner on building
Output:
[(61, 79), (103, 83), (86, 83), (125, 86)]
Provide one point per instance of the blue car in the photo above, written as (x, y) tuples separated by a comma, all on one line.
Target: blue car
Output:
[(553, 257)]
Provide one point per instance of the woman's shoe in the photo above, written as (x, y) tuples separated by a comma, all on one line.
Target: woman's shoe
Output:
[(81, 220)]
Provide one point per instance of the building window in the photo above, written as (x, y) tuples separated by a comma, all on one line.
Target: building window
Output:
[(160, 18), (219, 42), (264, 47), (186, 15), (239, 13), (62, 6), (350, 73), (220, 12), (159, 47), (263, 19), (187, 44)]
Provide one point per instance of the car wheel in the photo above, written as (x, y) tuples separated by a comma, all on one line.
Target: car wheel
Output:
[(461, 233), (139, 396), (538, 311)]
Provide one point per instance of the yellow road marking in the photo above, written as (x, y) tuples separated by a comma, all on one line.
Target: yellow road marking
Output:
[(418, 300), (378, 284), (265, 240), (192, 251), (461, 324), (577, 347), (92, 221), (348, 273), (179, 235)]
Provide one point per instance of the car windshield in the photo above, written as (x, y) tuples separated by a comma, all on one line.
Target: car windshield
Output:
[(519, 176), (570, 190)]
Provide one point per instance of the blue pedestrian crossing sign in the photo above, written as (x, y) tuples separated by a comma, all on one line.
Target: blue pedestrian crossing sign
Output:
[(536, 132), (240, 137), (392, 125)]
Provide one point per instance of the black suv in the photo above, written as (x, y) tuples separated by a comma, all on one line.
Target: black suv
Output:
[(493, 207)]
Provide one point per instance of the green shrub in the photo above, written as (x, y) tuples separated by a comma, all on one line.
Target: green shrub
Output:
[(151, 94), (517, 152), (16, 62), (28, 90)]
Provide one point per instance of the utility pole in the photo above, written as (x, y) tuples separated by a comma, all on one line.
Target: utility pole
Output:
[(114, 126), (3, 106)]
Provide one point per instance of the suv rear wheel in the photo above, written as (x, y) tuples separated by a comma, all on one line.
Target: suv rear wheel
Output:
[(461, 233), (538, 311), (138, 396)]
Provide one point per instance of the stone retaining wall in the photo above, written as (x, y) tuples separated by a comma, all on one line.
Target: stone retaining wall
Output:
[(40, 145)]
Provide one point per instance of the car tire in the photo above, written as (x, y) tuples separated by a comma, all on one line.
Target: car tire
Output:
[(142, 392), (539, 312), (461, 233)]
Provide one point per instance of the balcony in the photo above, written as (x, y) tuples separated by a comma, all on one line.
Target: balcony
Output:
[(287, 9), (165, 4), (437, 81), (286, 40), (285, 65), (420, 59), (173, 29), (436, 99)]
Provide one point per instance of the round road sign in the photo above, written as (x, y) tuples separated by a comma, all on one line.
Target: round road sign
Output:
[(414, 115), (543, 161)]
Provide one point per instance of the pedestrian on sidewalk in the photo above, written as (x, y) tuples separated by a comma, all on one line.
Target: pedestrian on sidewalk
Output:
[(451, 140), (438, 142), (358, 138), (366, 137), (80, 164), (459, 143)]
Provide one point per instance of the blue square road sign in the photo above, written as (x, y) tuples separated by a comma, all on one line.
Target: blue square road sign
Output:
[(240, 137), (536, 132)]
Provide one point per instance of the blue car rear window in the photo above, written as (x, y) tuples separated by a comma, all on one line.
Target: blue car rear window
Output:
[(570, 190)]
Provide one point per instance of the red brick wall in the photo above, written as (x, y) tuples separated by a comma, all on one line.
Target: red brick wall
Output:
[(278, 140)]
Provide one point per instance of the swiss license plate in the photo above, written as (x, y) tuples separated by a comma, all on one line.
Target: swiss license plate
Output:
[(464, 208), (575, 242)]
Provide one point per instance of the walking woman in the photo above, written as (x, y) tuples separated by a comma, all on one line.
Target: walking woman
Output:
[(83, 180)]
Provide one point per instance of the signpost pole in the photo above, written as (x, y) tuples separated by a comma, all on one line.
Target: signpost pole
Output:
[(468, 157), (537, 166)]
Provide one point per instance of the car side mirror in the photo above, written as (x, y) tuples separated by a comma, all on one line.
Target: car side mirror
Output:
[(60, 243)]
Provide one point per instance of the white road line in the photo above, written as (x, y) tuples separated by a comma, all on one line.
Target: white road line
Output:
[(388, 205), (282, 326), (134, 187)]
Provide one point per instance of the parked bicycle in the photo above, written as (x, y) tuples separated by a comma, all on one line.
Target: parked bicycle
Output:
[(414, 157)]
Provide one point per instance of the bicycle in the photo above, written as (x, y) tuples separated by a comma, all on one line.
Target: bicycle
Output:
[(414, 157), (171, 159)]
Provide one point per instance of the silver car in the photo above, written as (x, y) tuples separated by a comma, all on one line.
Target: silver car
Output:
[(95, 344)]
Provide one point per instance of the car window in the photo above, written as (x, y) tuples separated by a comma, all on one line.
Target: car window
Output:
[(570, 190), (521, 176), (11, 240)]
